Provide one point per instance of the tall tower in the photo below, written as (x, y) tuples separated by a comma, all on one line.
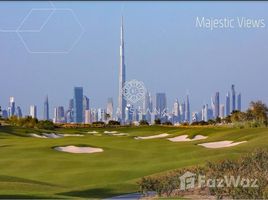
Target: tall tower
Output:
[(227, 104), (217, 104), (78, 104), (187, 109), (122, 78), (46, 109), (239, 102), (233, 98)]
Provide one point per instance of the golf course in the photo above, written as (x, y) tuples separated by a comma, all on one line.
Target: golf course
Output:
[(31, 167)]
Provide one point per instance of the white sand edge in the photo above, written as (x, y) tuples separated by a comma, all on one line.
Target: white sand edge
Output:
[(75, 149), (93, 132), (184, 138), (152, 136), (54, 135), (110, 132), (220, 144), (120, 134)]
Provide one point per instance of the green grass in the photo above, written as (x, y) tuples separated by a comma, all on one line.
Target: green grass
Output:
[(31, 168)]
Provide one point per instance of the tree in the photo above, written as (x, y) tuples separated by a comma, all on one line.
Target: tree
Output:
[(49, 125), (258, 110), (114, 123), (144, 123), (168, 123), (157, 121)]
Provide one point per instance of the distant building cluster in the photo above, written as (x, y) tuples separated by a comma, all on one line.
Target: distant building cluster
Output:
[(79, 110)]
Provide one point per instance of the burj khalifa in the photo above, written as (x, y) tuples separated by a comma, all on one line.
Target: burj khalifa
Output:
[(122, 78)]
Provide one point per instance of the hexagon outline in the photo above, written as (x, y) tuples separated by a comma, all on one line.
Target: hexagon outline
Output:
[(54, 10)]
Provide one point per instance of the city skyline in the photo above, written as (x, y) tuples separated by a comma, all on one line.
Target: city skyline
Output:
[(174, 68)]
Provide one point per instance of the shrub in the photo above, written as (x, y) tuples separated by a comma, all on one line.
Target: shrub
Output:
[(250, 166), (144, 123)]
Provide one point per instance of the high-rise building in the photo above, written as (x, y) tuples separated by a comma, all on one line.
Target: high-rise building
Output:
[(176, 111), (233, 98), (187, 109), (222, 111), (18, 112), (78, 104), (71, 104), (101, 115), (205, 113), (217, 105), (46, 109), (85, 106), (33, 111), (182, 111), (227, 104), (239, 102), (11, 107), (148, 107), (4, 114), (122, 78), (59, 116), (161, 105), (110, 108), (88, 118)]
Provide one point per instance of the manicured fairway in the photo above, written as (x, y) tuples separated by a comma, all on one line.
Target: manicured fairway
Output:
[(31, 168)]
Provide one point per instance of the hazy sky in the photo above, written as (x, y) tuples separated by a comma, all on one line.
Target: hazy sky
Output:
[(164, 49)]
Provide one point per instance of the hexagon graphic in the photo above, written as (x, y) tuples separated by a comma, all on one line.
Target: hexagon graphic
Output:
[(50, 30)]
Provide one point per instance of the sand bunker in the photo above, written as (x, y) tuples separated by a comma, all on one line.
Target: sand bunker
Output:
[(110, 132), (75, 149), (54, 135), (120, 134), (184, 138), (37, 136), (152, 136), (220, 144), (92, 132)]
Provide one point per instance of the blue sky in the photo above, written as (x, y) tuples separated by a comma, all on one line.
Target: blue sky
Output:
[(164, 49)]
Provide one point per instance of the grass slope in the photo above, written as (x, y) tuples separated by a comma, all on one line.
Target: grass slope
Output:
[(30, 168)]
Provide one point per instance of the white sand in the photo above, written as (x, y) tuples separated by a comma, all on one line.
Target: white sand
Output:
[(110, 132), (220, 144), (72, 135), (37, 136), (92, 132), (120, 134), (184, 138), (54, 135), (75, 149), (152, 136)]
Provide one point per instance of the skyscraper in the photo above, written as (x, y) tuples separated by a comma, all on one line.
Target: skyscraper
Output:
[(18, 112), (46, 109), (33, 111), (88, 119), (227, 104), (85, 106), (187, 109), (176, 111), (110, 108), (182, 111), (239, 102), (161, 105), (217, 105), (122, 78), (233, 98), (11, 108), (59, 116), (78, 104), (222, 111)]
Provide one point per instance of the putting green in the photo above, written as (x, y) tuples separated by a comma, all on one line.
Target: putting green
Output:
[(31, 168)]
